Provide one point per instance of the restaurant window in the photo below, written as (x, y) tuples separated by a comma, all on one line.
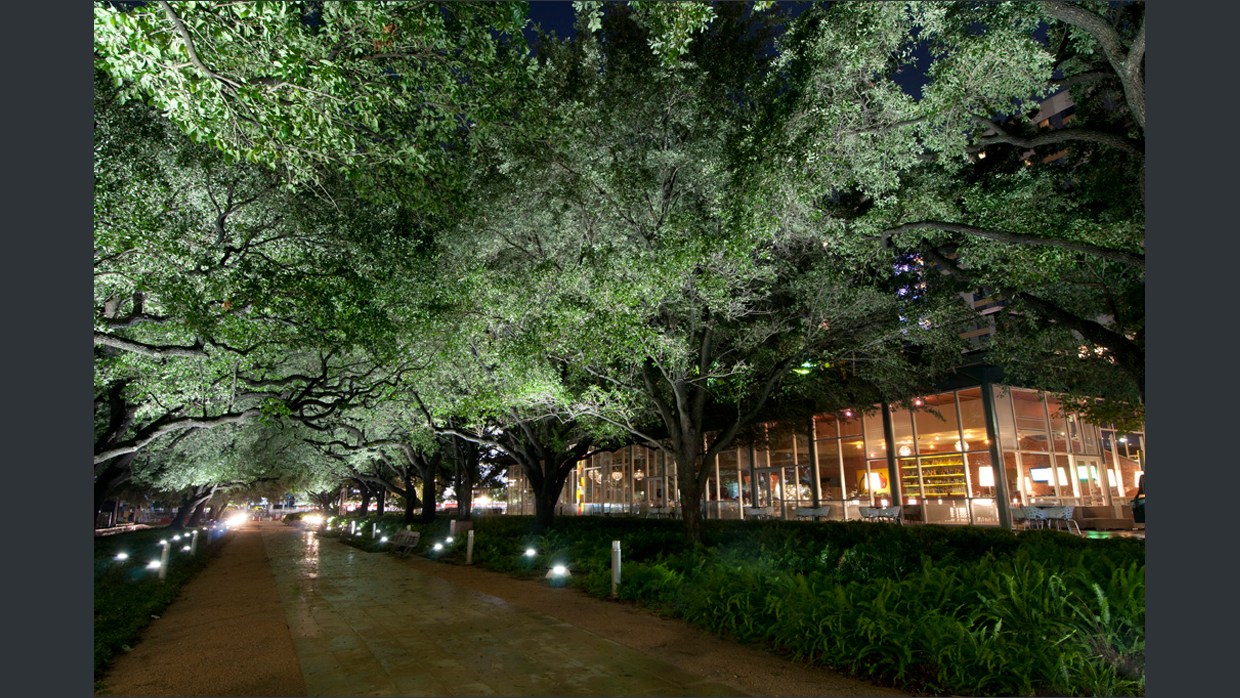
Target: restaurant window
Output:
[(849, 423), (936, 425), (1038, 477), (880, 485), (832, 487), (875, 440), (824, 427), (1031, 431)]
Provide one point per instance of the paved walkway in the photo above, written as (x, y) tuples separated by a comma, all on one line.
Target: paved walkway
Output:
[(364, 626)]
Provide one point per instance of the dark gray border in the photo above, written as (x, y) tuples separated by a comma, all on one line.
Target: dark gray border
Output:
[(1192, 248), (48, 258)]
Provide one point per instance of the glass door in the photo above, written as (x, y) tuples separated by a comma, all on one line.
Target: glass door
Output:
[(1091, 480)]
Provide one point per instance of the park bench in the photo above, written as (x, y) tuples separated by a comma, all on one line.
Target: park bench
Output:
[(405, 541)]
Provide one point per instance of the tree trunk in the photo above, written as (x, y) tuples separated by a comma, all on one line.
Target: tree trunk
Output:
[(199, 511), (411, 500), (544, 509), (217, 511), (197, 497), (113, 475), (365, 506), (428, 497), (380, 500), (550, 483), (688, 462)]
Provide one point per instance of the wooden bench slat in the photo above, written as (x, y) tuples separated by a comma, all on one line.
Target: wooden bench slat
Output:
[(405, 541)]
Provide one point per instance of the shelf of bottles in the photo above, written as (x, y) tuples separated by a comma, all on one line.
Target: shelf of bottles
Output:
[(940, 477)]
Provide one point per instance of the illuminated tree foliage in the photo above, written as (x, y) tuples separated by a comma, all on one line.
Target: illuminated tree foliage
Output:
[(382, 90), (624, 242), (387, 229), (957, 178)]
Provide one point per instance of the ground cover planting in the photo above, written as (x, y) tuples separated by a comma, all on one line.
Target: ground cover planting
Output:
[(942, 610), (129, 592)]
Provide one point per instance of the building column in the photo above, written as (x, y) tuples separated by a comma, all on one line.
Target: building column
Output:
[(893, 468), (753, 479), (996, 455), (815, 485)]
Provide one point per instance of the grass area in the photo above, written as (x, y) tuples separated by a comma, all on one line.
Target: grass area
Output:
[(933, 609), (128, 595)]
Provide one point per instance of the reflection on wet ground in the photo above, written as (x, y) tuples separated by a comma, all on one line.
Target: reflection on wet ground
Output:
[(364, 625)]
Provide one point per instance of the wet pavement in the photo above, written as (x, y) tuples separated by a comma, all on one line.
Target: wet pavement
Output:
[(364, 625)]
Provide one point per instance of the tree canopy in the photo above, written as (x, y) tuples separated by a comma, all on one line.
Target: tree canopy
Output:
[(393, 234)]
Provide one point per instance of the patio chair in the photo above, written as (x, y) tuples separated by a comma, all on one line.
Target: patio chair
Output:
[(759, 512), (1064, 515), (893, 514), (1028, 517), (814, 513)]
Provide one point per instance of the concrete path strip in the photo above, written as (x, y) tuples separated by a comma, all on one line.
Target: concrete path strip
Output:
[(365, 625)]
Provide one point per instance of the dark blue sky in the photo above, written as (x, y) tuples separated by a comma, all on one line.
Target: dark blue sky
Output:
[(552, 15)]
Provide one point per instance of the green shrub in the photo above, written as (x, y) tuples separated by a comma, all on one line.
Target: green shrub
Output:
[(127, 594)]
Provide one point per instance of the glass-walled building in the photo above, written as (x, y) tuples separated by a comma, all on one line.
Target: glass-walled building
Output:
[(940, 454)]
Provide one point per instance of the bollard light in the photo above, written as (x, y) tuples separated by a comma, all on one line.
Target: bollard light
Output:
[(449, 539), (558, 575), (153, 565), (383, 539), (530, 552), (439, 546), (185, 548), (615, 566), (122, 556)]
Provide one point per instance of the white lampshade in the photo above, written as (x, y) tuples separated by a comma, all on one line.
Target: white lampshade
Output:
[(986, 476), (876, 481)]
